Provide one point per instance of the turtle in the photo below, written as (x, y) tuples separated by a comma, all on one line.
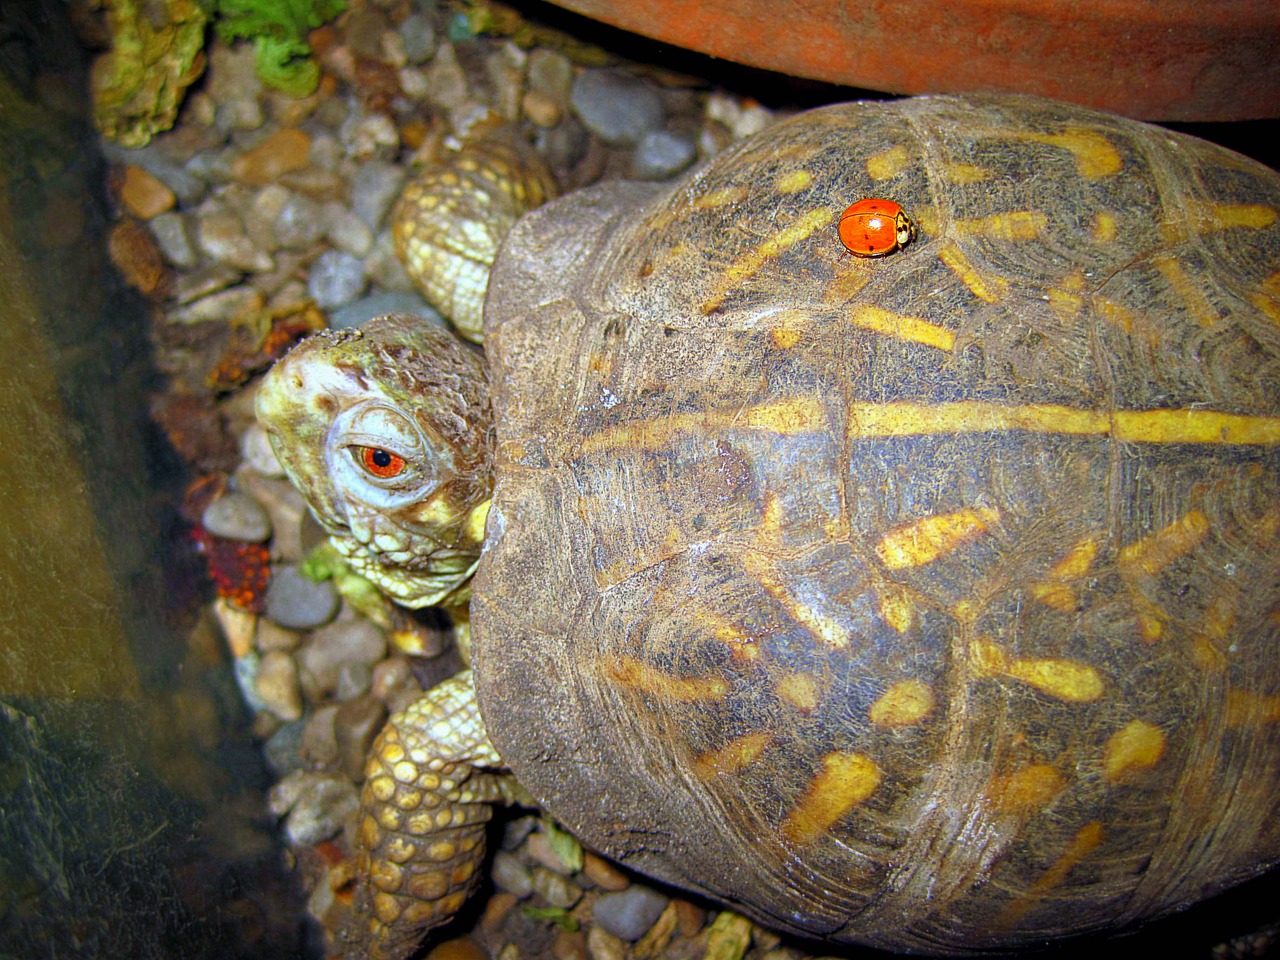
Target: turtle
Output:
[(928, 601)]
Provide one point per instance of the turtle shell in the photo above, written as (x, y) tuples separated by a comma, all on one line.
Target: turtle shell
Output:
[(931, 601)]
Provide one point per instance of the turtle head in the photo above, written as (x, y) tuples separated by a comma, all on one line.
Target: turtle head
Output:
[(387, 433)]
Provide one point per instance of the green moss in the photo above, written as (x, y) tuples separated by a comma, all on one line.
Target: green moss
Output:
[(278, 30)]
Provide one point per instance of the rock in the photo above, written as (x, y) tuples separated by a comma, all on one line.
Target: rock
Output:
[(255, 447), (392, 677), (550, 76), (460, 949), (446, 83), (220, 233), (654, 943), (384, 268), (347, 231), (511, 875), (541, 109), (356, 723), (297, 602), (564, 855), (237, 516), (238, 627), (617, 107), (661, 154), (336, 278), (603, 873), (320, 803), (516, 831), (630, 913), (354, 680), (603, 945), (280, 153), (283, 748), (170, 232), (222, 307), (319, 736), (300, 224), (145, 195), (374, 190), (690, 917), (358, 312), (556, 890), (277, 685), (569, 945), (330, 649), (418, 36)]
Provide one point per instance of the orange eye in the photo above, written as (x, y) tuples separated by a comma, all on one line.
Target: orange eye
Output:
[(382, 464)]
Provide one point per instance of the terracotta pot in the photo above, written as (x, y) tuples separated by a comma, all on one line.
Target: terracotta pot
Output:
[(1152, 59)]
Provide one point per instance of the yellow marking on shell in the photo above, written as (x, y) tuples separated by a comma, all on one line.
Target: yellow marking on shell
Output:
[(1065, 297), (965, 173), (1013, 225), (846, 780), (733, 757), (922, 541), (800, 690), (1096, 157), (778, 585), (788, 326), (1104, 228), (1028, 790), (1207, 216), (785, 417), (638, 675), (868, 420), (721, 197), (1066, 680), (903, 327), (1150, 555), (1267, 297), (988, 289), (750, 263), (476, 521), (793, 182), (897, 608), (1136, 746), (904, 704), (742, 646), (1055, 590), (887, 164), (1191, 295), (1210, 645), (1085, 841), (1245, 708)]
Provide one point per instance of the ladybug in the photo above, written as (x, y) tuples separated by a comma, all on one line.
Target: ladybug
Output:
[(874, 228)]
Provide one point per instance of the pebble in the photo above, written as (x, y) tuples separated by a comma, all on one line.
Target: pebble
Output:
[(602, 945), (358, 312), (336, 278), (347, 231), (283, 748), (419, 38), (630, 913), (255, 448), (145, 195), (603, 873), (558, 857), (556, 890), (374, 189), (277, 685), (354, 680), (282, 152), (319, 736), (691, 918), (237, 516), (356, 723), (460, 949), (299, 603), (170, 232), (221, 235), (238, 626), (617, 107), (334, 647), (515, 832), (392, 679), (298, 225), (510, 874), (661, 154), (569, 945), (446, 84), (321, 803)]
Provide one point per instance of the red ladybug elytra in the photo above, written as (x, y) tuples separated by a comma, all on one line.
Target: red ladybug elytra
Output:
[(872, 228)]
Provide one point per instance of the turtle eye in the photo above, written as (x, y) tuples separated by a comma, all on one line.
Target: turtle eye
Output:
[(379, 462)]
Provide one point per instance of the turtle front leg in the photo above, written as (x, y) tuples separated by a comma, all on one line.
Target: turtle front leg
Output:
[(429, 787)]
